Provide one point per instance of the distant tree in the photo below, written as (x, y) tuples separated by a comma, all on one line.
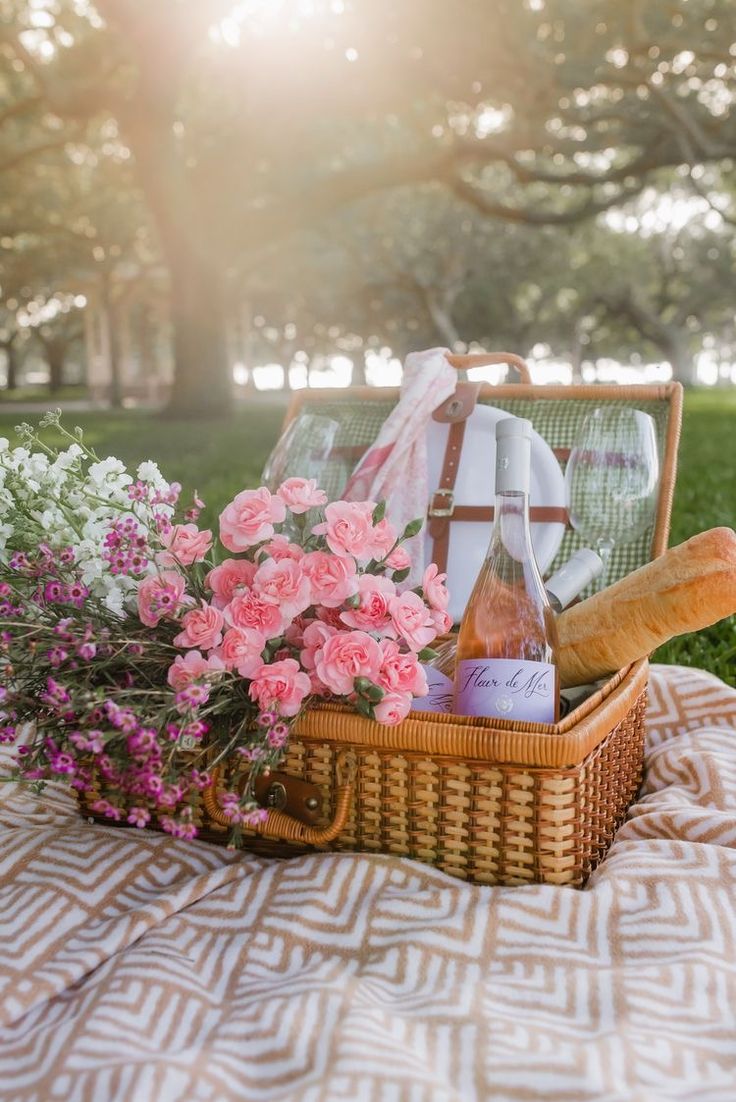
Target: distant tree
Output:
[(245, 128)]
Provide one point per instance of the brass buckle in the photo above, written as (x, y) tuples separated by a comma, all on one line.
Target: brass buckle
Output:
[(445, 510)]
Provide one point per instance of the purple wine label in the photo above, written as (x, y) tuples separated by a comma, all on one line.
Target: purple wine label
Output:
[(440, 695), (505, 688)]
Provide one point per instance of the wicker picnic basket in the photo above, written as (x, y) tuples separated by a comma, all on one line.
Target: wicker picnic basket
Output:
[(488, 801), (485, 800)]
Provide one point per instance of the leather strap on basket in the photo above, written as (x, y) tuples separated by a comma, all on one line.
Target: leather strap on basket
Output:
[(442, 505), (456, 410)]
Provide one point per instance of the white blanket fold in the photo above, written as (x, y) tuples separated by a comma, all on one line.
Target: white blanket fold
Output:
[(138, 968)]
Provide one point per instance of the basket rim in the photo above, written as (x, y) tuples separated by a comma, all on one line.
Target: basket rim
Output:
[(465, 738)]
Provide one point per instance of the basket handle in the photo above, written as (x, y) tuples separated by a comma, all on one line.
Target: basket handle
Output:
[(283, 827), (481, 359)]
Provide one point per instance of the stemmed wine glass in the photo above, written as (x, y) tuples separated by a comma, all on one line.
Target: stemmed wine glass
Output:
[(306, 449), (612, 478)]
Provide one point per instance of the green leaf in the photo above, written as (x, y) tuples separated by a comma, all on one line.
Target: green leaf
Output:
[(379, 512), (426, 654), (273, 645), (374, 694), (362, 684), (354, 601), (412, 528), (364, 707), (401, 575)]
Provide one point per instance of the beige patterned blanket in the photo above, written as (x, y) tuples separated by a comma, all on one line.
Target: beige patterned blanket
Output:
[(136, 968)]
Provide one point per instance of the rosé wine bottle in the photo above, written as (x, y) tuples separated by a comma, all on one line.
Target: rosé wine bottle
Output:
[(506, 644)]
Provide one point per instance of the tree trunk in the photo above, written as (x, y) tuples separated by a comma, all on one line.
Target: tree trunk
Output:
[(439, 308), (12, 365), (684, 368), (116, 380), (358, 377), (55, 357), (113, 344), (202, 383)]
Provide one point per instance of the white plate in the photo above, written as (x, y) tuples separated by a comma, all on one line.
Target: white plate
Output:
[(475, 485)]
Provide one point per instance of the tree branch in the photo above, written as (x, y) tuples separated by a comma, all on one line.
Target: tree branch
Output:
[(688, 126), (33, 151), (19, 108), (534, 216)]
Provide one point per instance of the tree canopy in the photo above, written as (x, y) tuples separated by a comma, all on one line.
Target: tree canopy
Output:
[(304, 142)]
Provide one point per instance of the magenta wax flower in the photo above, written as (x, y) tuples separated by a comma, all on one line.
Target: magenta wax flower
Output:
[(193, 696), (63, 763), (200, 780), (57, 656), (177, 828), (278, 735), (55, 695), (138, 816), (53, 592), (77, 593)]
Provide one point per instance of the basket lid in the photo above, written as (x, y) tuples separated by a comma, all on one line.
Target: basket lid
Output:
[(557, 414)]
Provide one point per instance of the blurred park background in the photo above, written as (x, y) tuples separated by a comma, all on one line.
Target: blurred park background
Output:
[(207, 203)]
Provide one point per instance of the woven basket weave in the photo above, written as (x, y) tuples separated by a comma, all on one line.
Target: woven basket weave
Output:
[(485, 800)]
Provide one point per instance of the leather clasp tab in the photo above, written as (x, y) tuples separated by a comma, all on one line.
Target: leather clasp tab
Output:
[(459, 405), (298, 798)]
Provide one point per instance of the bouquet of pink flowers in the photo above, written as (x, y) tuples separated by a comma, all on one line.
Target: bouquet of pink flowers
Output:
[(137, 656)]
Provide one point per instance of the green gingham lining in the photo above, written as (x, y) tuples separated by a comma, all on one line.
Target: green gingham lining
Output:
[(558, 421)]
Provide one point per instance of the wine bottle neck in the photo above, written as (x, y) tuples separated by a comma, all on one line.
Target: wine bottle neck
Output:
[(511, 523)]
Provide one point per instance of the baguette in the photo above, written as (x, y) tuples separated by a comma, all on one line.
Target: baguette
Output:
[(688, 588)]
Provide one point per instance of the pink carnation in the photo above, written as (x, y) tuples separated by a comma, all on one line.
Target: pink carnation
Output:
[(224, 579), (301, 494), (185, 544), (280, 548), (401, 673), (281, 686), (248, 610), (192, 666), (345, 656), (315, 637), (382, 539), (249, 519), (348, 528), (160, 596), (283, 584), (398, 559), (332, 578), (393, 708), (434, 588), (202, 628), (372, 614), (412, 620), (442, 620), (241, 649)]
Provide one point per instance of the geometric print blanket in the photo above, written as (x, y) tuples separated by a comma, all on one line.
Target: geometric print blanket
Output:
[(139, 968)]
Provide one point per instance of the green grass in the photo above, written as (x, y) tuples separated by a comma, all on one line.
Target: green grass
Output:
[(218, 459), (706, 498), (38, 394)]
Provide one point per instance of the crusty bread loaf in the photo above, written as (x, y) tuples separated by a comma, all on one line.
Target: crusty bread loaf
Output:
[(688, 588)]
